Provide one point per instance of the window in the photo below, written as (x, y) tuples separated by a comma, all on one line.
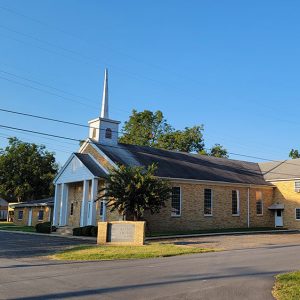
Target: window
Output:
[(297, 186), (94, 133), (259, 203), (101, 208), (235, 203), (208, 202), (40, 215), (108, 133), (72, 209), (176, 202), (297, 214), (20, 215)]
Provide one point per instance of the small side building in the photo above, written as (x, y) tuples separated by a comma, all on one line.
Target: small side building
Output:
[(33, 212), (3, 209)]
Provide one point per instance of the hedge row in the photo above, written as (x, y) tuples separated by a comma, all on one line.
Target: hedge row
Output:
[(44, 227), (86, 231)]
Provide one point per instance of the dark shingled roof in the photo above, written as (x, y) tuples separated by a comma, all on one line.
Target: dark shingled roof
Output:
[(173, 164), (40, 202), (90, 164)]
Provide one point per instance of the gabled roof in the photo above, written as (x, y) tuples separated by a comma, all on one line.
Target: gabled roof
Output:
[(92, 166), (179, 165), (34, 203), (281, 170)]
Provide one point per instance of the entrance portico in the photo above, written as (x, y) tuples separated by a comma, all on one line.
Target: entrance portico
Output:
[(76, 189)]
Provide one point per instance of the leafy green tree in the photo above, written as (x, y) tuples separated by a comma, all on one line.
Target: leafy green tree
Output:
[(217, 151), (294, 154), (187, 140), (144, 128), (133, 190), (26, 171)]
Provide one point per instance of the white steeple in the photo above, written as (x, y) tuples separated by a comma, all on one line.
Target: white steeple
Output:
[(104, 110), (103, 129)]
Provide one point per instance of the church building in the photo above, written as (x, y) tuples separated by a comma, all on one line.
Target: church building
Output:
[(207, 192)]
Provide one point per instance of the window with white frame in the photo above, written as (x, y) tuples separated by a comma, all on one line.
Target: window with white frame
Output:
[(297, 214), (40, 215), (20, 215), (297, 186), (101, 210), (207, 202), (176, 202), (235, 203)]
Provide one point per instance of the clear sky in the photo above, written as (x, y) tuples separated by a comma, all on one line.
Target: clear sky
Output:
[(230, 65)]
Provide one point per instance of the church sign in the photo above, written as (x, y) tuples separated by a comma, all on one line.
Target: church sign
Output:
[(121, 233)]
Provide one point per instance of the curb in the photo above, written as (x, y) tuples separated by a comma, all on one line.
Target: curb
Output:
[(86, 238), (219, 233)]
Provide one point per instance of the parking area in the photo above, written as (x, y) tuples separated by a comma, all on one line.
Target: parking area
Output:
[(245, 241)]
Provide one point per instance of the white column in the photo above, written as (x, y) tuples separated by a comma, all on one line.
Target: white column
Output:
[(104, 205), (94, 194), (84, 204), (63, 205), (56, 205)]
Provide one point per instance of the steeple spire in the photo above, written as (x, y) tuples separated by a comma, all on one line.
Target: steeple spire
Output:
[(104, 110)]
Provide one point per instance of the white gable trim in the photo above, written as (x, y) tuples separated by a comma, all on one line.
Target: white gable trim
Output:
[(61, 172)]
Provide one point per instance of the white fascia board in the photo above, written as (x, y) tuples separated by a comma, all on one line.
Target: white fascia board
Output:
[(83, 146), (63, 167), (98, 164)]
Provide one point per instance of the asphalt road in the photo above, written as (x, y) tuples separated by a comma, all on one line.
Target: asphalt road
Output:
[(236, 274)]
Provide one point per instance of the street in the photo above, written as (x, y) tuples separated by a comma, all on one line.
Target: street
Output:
[(234, 274)]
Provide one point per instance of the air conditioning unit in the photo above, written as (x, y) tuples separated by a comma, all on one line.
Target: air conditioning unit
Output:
[(297, 190)]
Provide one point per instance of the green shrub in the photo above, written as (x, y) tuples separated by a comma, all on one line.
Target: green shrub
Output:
[(86, 230), (43, 227), (94, 231), (77, 231)]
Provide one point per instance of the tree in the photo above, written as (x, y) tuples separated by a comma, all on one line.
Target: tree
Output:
[(133, 190), (217, 151), (26, 171), (294, 154), (187, 140), (144, 128)]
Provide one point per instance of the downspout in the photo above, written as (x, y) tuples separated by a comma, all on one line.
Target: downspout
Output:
[(248, 208)]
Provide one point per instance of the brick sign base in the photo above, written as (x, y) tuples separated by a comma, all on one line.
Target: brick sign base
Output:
[(121, 233)]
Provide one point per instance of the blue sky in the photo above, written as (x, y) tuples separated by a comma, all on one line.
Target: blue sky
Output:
[(230, 65)]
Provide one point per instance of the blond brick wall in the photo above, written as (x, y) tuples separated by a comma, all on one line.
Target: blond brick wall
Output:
[(192, 210), (75, 195), (89, 149), (285, 193), (35, 211)]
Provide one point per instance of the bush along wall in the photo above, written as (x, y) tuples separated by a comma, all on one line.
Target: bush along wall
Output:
[(86, 231), (43, 227)]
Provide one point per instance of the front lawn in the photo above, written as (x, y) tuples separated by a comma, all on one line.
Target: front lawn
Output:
[(127, 252), (12, 227), (287, 286)]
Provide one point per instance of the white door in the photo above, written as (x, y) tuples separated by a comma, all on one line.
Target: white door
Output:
[(278, 218), (89, 216), (30, 217)]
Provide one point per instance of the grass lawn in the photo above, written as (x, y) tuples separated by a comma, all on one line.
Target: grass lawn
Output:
[(13, 227), (287, 286), (155, 234), (127, 252)]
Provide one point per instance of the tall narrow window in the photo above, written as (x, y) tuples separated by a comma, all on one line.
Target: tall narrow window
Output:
[(297, 213), (208, 202), (41, 215), (101, 208), (108, 133), (235, 203), (176, 202), (259, 203), (20, 215), (72, 209), (297, 186)]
